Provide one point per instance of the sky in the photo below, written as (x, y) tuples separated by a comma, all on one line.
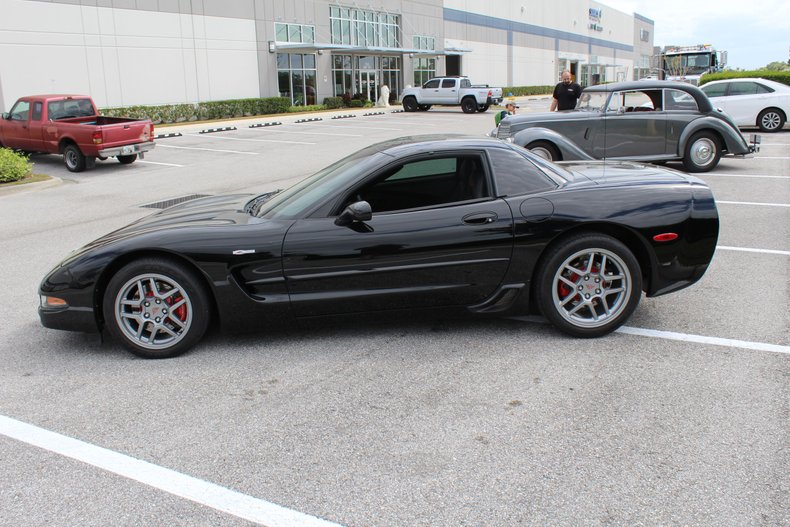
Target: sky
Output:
[(753, 33)]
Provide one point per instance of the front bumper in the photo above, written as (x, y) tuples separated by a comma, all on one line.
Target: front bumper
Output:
[(754, 143), (69, 319), (128, 150)]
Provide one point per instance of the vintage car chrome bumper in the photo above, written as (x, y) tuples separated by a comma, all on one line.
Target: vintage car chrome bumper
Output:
[(754, 143), (128, 150)]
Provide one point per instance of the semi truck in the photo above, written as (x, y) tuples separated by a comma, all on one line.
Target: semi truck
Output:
[(689, 63)]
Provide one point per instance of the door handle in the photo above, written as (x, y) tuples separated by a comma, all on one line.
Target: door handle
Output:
[(587, 133), (480, 218)]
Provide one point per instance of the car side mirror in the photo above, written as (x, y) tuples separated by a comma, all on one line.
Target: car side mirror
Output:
[(357, 211), (5, 115)]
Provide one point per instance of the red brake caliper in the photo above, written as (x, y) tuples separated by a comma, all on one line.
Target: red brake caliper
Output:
[(181, 311)]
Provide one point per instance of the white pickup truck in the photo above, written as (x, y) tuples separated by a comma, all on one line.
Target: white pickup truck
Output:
[(450, 91)]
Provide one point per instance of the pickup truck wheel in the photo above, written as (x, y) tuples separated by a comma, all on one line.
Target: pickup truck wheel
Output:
[(702, 152), (73, 159), (482, 108), (424, 107), (127, 160), (545, 150), (410, 104), (469, 105), (771, 120)]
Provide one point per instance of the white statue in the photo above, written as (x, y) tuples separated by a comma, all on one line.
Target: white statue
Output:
[(384, 99)]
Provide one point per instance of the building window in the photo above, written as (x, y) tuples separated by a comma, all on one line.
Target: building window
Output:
[(296, 77), (359, 27), (343, 75), (297, 33), (424, 69), (390, 70), (644, 35), (424, 43)]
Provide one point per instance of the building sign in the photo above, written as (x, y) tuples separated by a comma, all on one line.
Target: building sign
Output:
[(595, 15)]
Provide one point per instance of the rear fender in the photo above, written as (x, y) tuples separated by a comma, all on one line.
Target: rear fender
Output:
[(569, 150), (734, 142)]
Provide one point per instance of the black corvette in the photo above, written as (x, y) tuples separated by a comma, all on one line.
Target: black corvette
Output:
[(422, 223)]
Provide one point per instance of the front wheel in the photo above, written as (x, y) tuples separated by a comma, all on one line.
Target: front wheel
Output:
[(156, 308), (770, 120), (469, 105), (702, 152), (410, 104), (589, 285), (545, 150), (127, 160), (74, 159)]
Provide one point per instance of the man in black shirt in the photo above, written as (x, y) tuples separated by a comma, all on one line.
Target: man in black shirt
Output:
[(566, 93)]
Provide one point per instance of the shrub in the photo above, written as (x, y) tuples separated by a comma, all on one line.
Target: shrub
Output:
[(308, 108), (13, 166), (356, 103), (333, 103), (778, 76), (176, 113), (519, 91)]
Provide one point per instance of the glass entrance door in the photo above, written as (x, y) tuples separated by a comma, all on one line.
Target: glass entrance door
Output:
[(367, 85)]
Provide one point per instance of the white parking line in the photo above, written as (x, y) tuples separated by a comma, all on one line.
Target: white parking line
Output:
[(747, 176), (158, 163), (207, 149), (768, 157), (252, 140), (685, 337), (281, 131), (354, 125), (750, 250), (753, 203), (202, 492)]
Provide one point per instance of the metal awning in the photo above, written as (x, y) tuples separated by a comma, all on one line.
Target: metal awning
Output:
[(313, 47)]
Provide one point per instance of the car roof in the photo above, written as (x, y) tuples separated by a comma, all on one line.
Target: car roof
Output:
[(769, 82), (641, 85), (425, 143)]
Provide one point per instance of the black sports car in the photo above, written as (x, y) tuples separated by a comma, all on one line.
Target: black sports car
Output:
[(421, 223)]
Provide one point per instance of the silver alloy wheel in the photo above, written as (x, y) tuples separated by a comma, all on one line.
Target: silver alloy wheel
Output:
[(153, 311), (72, 160), (770, 120), (703, 151), (543, 152), (591, 287)]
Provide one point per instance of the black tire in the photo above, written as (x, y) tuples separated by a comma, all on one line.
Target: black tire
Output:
[(73, 159), (469, 105), (410, 104), (127, 160), (482, 108), (771, 120), (588, 304), (702, 153), (424, 107), (101, 158), (545, 150), (151, 328)]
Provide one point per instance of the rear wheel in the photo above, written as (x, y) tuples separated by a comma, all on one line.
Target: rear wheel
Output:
[(127, 160), (545, 150), (589, 285), (73, 159), (702, 152), (469, 105), (156, 308), (482, 108), (410, 104), (771, 120)]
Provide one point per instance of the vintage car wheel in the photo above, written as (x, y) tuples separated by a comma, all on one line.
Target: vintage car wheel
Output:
[(410, 104), (424, 107), (702, 152), (469, 105), (73, 159), (545, 150), (155, 308), (589, 285), (771, 120), (127, 160)]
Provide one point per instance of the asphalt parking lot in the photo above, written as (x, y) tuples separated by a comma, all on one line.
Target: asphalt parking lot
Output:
[(680, 418)]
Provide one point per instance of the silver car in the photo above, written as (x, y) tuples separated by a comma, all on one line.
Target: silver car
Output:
[(648, 121)]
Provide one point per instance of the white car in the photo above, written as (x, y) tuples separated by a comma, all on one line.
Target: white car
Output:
[(751, 102)]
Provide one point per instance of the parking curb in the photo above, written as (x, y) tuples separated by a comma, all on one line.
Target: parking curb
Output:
[(212, 130), (263, 125)]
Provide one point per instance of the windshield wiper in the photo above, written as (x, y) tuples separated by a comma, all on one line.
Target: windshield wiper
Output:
[(254, 205)]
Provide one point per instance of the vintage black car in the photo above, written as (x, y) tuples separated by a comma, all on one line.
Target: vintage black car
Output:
[(645, 121), (459, 225)]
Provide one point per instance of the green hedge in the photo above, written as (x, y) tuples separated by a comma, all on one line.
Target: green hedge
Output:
[(176, 113), (332, 103), (520, 91), (778, 76), (13, 166)]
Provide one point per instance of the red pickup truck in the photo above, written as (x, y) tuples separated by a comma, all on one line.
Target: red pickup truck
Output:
[(70, 125)]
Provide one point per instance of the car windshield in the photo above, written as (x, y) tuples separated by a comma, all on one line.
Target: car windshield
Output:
[(592, 101), (298, 199)]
